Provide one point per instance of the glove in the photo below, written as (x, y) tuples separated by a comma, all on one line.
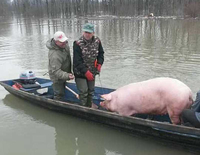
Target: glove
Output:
[(99, 67), (89, 76)]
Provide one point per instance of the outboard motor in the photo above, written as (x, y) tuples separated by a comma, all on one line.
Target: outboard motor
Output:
[(27, 77), (27, 80)]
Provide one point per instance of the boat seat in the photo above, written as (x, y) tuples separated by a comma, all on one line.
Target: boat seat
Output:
[(46, 95), (30, 86), (47, 84), (36, 86)]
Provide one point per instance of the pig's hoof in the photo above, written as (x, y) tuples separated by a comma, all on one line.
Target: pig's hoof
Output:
[(94, 106)]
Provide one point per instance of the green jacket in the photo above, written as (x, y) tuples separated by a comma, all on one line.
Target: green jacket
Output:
[(59, 62)]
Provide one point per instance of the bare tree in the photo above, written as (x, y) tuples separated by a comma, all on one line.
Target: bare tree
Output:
[(192, 9), (61, 8), (4, 7)]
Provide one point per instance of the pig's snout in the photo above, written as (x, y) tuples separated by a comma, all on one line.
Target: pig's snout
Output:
[(102, 104)]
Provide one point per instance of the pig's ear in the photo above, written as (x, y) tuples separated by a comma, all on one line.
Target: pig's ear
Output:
[(107, 97)]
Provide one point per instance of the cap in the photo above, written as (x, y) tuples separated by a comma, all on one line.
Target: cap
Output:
[(60, 36), (88, 27)]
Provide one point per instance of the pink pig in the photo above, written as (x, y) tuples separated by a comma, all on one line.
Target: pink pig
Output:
[(154, 96)]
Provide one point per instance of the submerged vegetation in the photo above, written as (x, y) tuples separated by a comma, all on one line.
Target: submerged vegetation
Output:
[(66, 8)]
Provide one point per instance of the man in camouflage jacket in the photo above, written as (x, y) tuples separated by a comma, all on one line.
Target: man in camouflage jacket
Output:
[(88, 57)]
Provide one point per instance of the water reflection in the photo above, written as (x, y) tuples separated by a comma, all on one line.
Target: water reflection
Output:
[(76, 136), (135, 48)]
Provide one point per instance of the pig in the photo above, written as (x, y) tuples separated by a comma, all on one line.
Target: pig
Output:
[(157, 96)]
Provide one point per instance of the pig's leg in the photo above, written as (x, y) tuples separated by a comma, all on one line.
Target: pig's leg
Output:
[(175, 119)]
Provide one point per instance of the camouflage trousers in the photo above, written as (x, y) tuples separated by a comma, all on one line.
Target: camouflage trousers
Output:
[(86, 91)]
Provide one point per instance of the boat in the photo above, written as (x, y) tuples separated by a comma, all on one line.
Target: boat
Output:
[(155, 126)]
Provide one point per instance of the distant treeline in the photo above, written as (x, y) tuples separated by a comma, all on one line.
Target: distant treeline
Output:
[(65, 8)]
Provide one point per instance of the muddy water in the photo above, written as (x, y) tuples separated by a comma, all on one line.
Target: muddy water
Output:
[(136, 49)]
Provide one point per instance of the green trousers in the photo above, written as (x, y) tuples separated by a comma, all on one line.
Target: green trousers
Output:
[(86, 91), (59, 90)]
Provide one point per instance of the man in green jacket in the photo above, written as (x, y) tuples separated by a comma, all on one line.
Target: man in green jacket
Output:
[(88, 57), (59, 63)]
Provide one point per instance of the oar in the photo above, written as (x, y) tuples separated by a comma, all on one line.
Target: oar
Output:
[(101, 83), (77, 96), (73, 92)]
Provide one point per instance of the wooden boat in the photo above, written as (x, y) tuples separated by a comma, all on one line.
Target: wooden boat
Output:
[(158, 127)]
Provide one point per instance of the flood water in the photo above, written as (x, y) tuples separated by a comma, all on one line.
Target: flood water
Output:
[(136, 49)]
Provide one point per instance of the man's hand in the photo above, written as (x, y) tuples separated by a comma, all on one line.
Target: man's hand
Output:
[(99, 68), (71, 76), (89, 76)]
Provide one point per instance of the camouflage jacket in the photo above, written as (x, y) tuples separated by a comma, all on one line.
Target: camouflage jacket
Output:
[(85, 53)]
